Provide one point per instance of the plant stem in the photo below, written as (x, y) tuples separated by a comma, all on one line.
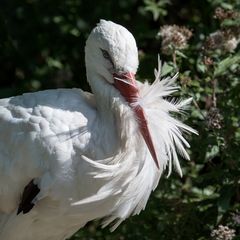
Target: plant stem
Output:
[(174, 59), (214, 98), (197, 106)]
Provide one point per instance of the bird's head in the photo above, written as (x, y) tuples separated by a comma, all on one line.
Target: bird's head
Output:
[(111, 49), (111, 53)]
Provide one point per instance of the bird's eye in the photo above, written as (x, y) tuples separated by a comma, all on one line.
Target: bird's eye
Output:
[(105, 54)]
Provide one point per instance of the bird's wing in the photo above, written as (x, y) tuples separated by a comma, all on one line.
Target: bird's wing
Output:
[(37, 136)]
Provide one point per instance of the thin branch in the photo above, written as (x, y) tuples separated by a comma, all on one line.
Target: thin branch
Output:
[(214, 98), (197, 106)]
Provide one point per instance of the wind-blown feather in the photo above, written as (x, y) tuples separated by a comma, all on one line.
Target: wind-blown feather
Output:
[(137, 180)]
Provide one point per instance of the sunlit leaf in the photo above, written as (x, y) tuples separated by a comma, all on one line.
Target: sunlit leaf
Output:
[(225, 64)]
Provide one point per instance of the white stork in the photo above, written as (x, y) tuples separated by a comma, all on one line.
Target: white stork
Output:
[(68, 157)]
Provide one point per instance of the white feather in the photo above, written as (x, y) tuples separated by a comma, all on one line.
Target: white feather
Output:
[(85, 150), (139, 179)]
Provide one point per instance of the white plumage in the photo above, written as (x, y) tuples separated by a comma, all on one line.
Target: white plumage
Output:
[(85, 152)]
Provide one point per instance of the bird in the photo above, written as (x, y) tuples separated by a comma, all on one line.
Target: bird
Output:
[(68, 157)]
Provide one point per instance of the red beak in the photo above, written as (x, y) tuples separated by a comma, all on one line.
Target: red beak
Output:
[(127, 86)]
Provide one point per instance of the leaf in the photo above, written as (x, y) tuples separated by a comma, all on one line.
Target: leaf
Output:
[(214, 151), (54, 63), (230, 22), (180, 54), (227, 5), (166, 69), (201, 68), (225, 64), (226, 194), (157, 8), (75, 32)]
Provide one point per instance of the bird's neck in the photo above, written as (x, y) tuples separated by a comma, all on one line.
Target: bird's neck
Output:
[(103, 94), (112, 114)]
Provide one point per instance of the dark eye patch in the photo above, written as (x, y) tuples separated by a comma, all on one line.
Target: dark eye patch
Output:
[(106, 55)]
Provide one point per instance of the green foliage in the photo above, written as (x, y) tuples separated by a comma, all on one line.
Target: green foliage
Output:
[(224, 66), (157, 8), (42, 46)]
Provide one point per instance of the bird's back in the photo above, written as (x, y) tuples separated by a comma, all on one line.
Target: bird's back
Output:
[(38, 134), (41, 135)]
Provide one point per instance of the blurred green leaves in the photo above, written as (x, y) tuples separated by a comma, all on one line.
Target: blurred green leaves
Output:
[(224, 66), (156, 7)]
